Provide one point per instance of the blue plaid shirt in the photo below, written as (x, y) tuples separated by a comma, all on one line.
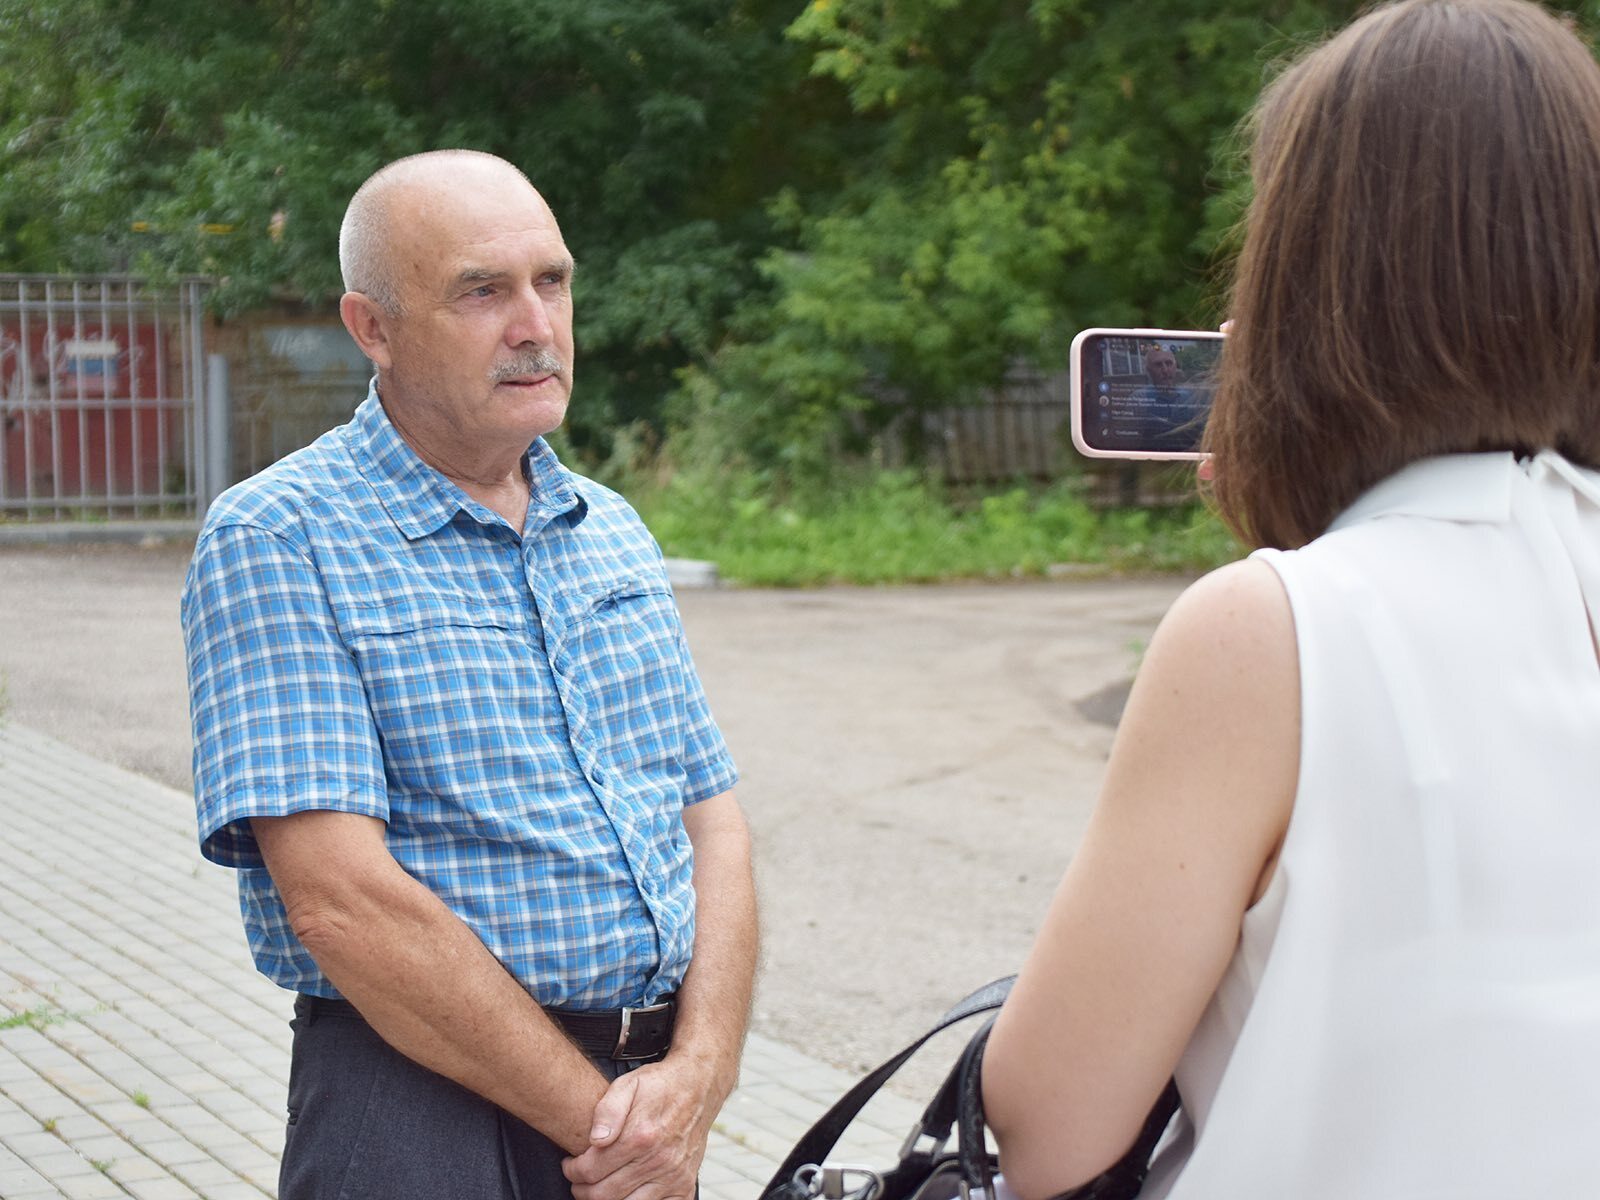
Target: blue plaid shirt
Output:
[(521, 712)]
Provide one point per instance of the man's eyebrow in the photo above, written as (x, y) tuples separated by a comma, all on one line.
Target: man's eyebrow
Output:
[(472, 276), (475, 275)]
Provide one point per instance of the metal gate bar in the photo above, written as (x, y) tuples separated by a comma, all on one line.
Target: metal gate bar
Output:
[(101, 397)]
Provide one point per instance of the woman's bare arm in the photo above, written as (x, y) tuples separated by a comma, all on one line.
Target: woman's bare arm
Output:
[(1197, 796)]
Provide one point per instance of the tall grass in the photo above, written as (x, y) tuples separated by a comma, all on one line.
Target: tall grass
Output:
[(895, 527)]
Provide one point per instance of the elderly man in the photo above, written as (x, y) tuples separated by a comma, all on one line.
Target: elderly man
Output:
[(448, 730), (1169, 410)]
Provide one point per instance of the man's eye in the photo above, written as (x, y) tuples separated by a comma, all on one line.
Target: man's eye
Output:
[(486, 289)]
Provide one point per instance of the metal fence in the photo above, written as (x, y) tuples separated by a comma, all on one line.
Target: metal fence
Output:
[(109, 406), (102, 389)]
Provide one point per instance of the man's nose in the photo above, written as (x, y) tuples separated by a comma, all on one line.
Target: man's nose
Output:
[(530, 321)]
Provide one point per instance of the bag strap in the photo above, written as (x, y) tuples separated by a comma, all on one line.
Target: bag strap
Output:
[(1120, 1181), (1124, 1178), (960, 1100), (971, 1146), (820, 1139)]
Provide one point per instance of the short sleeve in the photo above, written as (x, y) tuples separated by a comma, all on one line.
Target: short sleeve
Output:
[(281, 721), (708, 766)]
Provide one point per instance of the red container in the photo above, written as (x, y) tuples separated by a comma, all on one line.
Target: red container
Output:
[(89, 410)]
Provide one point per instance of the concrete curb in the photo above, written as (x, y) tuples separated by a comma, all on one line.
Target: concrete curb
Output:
[(692, 573), (74, 533), (682, 573)]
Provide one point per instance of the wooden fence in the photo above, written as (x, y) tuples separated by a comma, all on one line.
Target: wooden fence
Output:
[(1022, 431)]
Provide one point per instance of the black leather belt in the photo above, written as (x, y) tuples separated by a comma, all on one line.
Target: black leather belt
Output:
[(623, 1034), (620, 1034)]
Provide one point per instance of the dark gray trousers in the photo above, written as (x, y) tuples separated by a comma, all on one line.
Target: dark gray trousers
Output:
[(367, 1123)]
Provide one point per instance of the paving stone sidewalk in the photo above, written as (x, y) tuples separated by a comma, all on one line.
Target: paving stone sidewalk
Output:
[(142, 1055)]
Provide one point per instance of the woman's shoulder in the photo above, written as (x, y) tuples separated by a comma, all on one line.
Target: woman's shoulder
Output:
[(1240, 611), (1219, 687)]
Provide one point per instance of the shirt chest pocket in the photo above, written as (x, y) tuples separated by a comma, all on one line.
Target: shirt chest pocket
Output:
[(446, 677), (622, 665)]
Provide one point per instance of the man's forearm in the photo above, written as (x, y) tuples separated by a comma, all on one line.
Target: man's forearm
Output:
[(421, 977), (714, 1000)]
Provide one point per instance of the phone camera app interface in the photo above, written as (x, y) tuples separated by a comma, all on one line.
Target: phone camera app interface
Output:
[(1150, 393)]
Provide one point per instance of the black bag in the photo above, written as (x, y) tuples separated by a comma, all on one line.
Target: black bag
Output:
[(927, 1170)]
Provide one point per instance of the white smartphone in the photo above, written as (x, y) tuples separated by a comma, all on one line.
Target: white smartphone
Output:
[(1142, 393)]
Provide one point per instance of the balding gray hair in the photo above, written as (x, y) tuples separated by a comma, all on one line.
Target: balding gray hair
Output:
[(364, 235)]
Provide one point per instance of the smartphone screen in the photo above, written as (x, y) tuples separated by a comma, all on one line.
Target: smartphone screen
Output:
[(1142, 393)]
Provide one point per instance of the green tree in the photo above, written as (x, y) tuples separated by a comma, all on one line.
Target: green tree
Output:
[(225, 136), (1036, 167), (801, 216)]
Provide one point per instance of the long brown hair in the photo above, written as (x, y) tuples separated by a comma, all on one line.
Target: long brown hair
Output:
[(1420, 270)]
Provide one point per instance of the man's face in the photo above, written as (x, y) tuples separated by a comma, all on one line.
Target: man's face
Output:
[(482, 350), (1162, 367)]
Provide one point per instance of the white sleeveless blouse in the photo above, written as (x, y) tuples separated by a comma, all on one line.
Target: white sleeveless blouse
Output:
[(1414, 1007)]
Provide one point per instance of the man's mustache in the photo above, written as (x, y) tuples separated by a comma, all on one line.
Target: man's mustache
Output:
[(527, 362)]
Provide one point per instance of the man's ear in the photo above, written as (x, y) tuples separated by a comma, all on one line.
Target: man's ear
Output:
[(365, 321)]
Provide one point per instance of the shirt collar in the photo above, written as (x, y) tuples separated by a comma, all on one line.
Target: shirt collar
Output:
[(419, 500), (551, 488), (1451, 487), (1467, 487)]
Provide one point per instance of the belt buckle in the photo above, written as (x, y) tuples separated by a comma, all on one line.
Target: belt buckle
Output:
[(620, 1052)]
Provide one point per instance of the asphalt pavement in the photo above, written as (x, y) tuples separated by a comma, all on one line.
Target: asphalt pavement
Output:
[(917, 767)]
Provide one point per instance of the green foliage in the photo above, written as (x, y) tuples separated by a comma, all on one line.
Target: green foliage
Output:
[(225, 137), (895, 527), (1037, 168), (793, 219)]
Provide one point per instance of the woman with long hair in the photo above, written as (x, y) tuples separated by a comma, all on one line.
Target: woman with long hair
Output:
[(1344, 877)]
